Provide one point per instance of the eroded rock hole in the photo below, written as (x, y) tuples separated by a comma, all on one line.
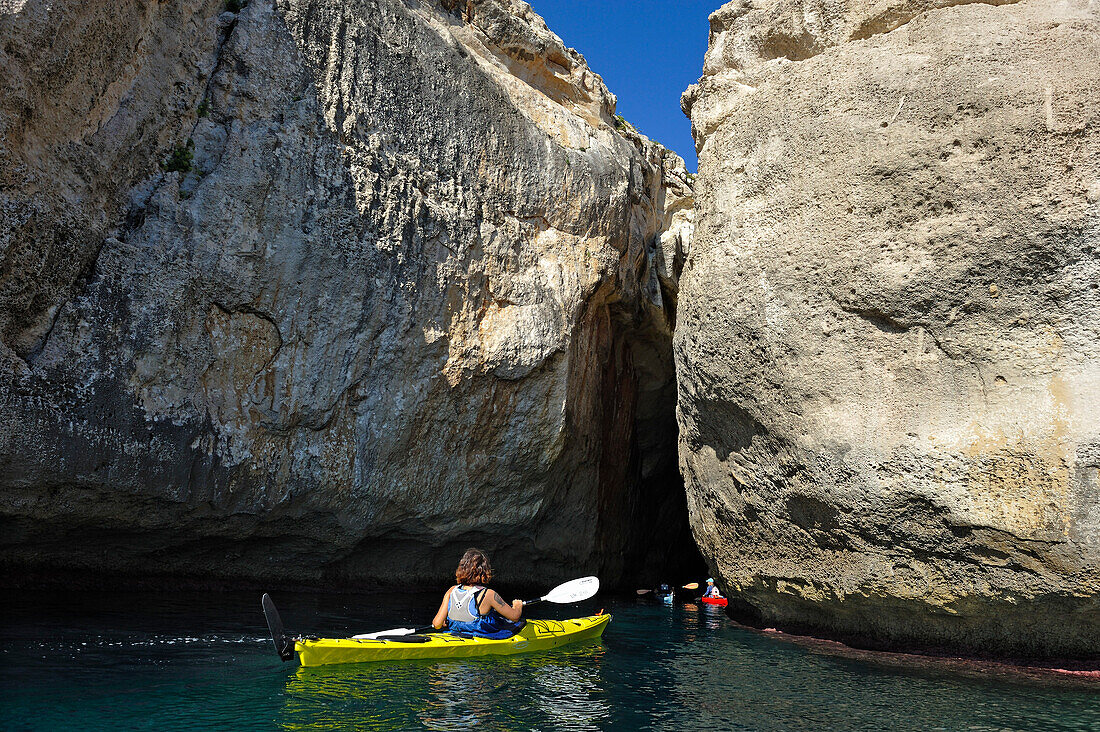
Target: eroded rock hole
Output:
[(644, 531)]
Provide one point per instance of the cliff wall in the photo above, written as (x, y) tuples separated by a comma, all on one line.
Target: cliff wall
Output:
[(888, 339), (327, 290)]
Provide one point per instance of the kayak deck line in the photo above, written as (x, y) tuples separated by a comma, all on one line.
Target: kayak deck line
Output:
[(536, 635), (544, 626)]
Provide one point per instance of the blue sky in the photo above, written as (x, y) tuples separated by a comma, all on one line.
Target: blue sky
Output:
[(646, 51)]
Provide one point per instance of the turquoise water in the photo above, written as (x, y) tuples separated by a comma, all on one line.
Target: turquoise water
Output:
[(203, 661)]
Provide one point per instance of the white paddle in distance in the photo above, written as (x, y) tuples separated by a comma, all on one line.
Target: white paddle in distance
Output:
[(688, 586), (565, 593)]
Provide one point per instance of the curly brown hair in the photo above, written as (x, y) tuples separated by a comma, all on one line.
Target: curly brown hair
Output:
[(474, 569)]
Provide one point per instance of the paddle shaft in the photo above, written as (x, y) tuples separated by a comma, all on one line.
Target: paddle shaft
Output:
[(397, 631), (691, 586)]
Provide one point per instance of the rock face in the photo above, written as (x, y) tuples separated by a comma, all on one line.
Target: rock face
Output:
[(328, 290), (888, 339)]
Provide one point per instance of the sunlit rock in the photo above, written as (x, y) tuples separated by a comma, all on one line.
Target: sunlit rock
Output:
[(888, 339), (328, 290)]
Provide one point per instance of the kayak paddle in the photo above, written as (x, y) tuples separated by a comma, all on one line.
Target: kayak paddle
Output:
[(571, 591), (565, 593), (688, 586), (284, 646)]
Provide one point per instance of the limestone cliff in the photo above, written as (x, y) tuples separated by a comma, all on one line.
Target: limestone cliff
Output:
[(888, 340), (327, 290)]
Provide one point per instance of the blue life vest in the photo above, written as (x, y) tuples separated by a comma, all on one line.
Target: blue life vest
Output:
[(464, 617)]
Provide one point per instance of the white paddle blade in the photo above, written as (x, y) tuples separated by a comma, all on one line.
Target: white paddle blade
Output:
[(395, 631), (573, 591)]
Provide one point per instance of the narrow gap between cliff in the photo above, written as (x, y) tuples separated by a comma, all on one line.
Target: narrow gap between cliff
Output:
[(657, 543)]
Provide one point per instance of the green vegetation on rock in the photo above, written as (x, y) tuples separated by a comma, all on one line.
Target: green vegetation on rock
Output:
[(181, 158)]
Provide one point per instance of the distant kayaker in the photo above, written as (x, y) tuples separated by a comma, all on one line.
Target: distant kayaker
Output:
[(472, 608), (712, 589)]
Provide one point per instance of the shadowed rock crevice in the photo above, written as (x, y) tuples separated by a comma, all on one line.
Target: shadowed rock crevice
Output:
[(645, 522)]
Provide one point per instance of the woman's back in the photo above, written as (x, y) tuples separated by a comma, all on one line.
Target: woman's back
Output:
[(471, 607), (463, 603)]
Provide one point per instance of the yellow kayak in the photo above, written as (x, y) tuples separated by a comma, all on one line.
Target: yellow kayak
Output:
[(537, 635)]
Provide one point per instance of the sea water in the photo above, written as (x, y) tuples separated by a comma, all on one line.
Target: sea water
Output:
[(203, 661)]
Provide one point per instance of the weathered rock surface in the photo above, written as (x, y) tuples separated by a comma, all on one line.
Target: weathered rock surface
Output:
[(888, 338), (414, 292)]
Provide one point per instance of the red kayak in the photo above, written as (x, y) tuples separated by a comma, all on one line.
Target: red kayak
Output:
[(719, 601)]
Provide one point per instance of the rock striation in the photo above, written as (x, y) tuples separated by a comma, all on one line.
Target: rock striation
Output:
[(327, 290), (888, 334)]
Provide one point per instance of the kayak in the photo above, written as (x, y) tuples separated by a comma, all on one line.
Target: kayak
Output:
[(719, 601), (537, 635)]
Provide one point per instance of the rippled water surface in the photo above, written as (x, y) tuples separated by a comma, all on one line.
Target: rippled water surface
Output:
[(203, 661)]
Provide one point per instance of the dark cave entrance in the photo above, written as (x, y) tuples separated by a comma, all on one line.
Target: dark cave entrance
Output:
[(645, 535)]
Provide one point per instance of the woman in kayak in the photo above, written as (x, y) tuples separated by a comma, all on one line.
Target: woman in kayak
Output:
[(472, 608), (712, 590)]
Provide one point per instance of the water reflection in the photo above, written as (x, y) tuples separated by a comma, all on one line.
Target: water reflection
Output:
[(713, 616), (355, 696), (560, 690), (700, 617), (200, 663), (570, 694), (462, 694)]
